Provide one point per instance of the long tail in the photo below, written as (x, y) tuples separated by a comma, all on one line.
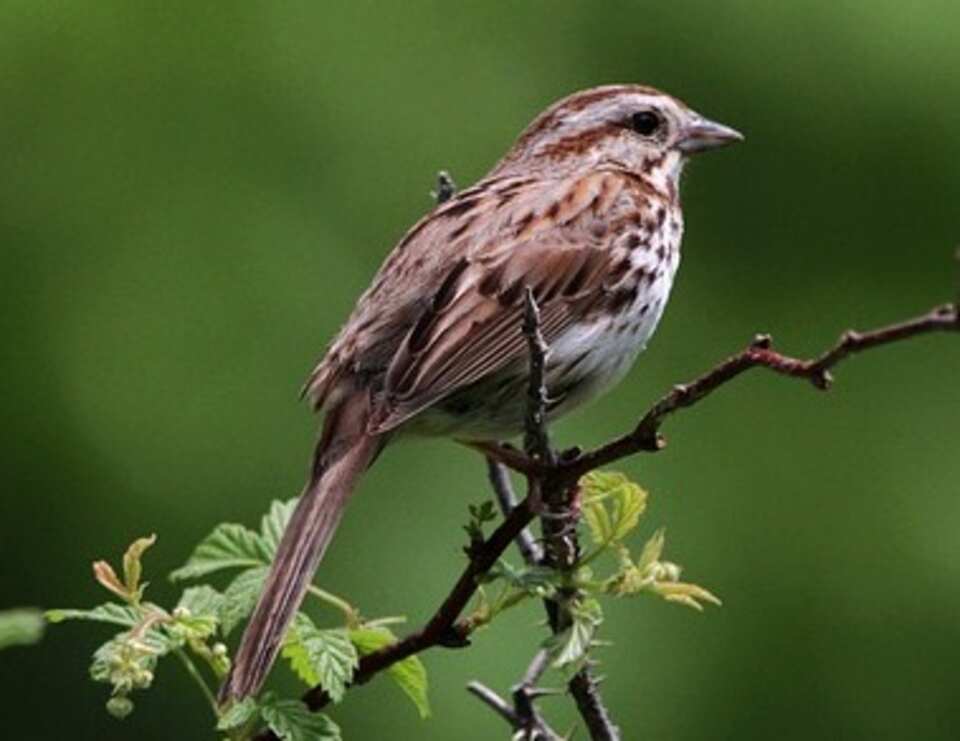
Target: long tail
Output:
[(344, 452)]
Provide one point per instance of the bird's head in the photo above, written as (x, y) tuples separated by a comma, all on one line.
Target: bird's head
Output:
[(631, 126)]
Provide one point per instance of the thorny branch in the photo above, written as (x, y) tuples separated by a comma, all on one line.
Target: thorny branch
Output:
[(561, 550), (645, 437), (522, 715), (553, 480)]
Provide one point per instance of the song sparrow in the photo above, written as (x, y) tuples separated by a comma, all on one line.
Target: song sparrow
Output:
[(584, 211)]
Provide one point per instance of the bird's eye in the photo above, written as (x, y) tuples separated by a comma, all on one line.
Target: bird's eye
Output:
[(645, 123)]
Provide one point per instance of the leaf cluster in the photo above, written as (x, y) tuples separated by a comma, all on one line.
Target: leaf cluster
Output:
[(204, 617)]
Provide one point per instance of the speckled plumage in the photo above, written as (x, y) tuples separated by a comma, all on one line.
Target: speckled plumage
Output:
[(584, 211)]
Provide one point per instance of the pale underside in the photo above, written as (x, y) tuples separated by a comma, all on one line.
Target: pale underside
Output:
[(438, 333)]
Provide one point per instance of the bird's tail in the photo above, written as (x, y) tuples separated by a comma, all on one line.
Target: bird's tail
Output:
[(344, 452)]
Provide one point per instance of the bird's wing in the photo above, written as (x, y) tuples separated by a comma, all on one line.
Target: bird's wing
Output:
[(472, 326)]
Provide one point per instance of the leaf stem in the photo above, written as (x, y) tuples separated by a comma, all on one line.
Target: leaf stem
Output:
[(348, 610), (198, 678)]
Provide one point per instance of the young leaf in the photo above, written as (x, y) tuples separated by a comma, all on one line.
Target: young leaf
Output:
[(292, 721), (324, 657), (571, 646), (274, 523), (107, 578), (612, 505), (652, 550), (240, 597), (132, 568), (683, 593), (20, 627), (409, 674), (229, 546), (238, 714), (109, 613)]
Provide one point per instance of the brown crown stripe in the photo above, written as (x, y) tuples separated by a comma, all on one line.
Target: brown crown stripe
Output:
[(577, 144)]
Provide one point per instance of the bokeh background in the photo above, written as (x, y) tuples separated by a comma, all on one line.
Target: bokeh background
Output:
[(193, 195)]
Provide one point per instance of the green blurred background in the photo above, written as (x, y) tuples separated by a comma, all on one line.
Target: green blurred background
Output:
[(194, 194)]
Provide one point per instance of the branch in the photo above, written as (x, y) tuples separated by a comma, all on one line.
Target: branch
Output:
[(500, 483), (536, 441), (759, 354), (443, 629), (554, 496), (522, 715)]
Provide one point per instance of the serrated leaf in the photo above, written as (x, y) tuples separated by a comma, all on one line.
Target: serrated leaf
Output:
[(321, 657), (238, 714), (274, 523), (21, 627), (132, 568), (229, 546), (240, 597), (539, 581), (652, 550), (110, 612), (201, 600), (570, 648), (292, 721), (409, 674), (612, 505), (690, 595)]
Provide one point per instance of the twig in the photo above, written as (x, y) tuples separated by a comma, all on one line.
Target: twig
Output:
[(586, 693), (536, 441), (500, 483), (494, 701), (532, 726), (561, 547), (759, 354)]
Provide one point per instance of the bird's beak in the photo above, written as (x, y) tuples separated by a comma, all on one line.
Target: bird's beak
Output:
[(702, 134)]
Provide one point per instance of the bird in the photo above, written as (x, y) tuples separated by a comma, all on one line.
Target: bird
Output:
[(582, 213)]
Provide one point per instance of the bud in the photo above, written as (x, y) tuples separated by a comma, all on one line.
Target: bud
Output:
[(120, 706)]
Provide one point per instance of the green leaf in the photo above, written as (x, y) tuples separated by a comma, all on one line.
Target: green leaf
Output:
[(20, 627), (111, 612), (292, 721), (229, 546), (240, 597), (321, 657), (539, 581), (409, 674), (238, 714), (274, 523), (197, 614), (612, 505), (132, 568), (570, 647), (202, 600)]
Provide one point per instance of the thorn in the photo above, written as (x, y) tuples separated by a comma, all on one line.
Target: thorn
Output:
[(761, 341), (445, 187), (822, 380), (850, 337)]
